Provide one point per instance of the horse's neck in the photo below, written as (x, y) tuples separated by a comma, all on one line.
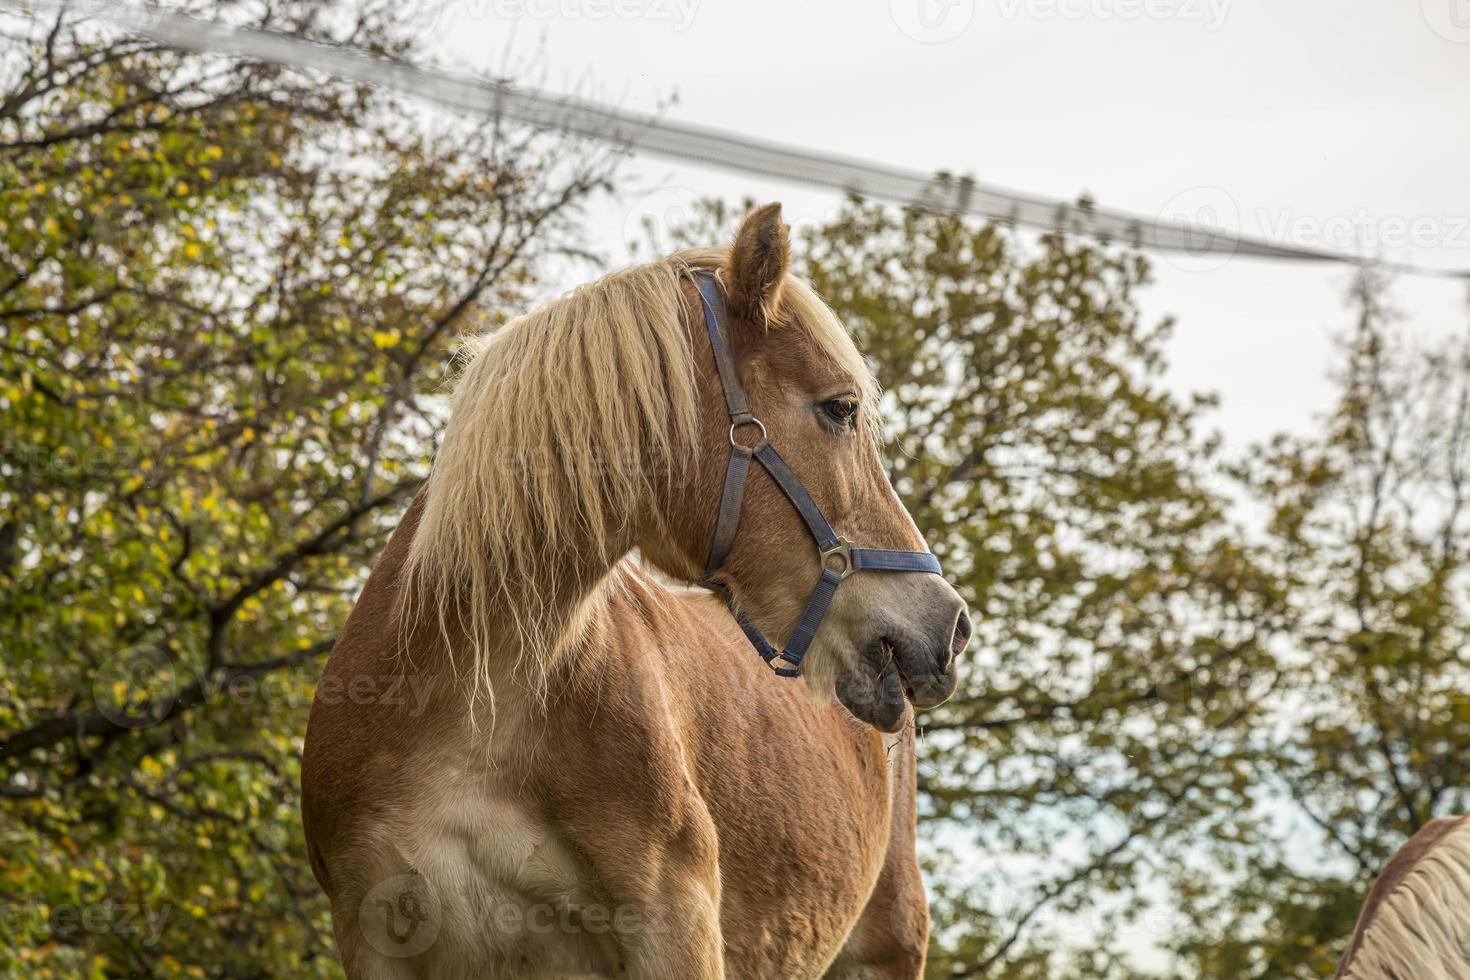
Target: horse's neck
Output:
[(530, 663), (528, 658)]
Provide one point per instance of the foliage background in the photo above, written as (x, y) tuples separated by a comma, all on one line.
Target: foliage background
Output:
[(1208, 697)]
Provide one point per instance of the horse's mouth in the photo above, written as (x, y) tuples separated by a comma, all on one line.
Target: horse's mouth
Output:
[(923, 686), (891, 676), (890, 659)]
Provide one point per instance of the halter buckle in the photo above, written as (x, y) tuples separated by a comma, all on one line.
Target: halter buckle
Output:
[(779, 664), (838, 558)]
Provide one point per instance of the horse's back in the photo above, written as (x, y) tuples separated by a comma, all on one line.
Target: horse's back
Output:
[(1415, 924), (344, 765)]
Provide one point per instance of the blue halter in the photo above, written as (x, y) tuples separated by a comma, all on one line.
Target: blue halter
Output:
[(839, 556)]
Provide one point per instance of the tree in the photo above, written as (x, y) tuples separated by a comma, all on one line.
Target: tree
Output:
[(227, 291), (1367, 530), (1182, 730), (1120, 657)]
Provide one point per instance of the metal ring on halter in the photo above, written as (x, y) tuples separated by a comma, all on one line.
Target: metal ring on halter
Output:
[(750, 421), (781, 666), (842, 551)]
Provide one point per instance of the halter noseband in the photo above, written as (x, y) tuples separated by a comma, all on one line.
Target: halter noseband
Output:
[(839, 556)]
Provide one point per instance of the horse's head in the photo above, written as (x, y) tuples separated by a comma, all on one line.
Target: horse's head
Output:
[(886, 634)]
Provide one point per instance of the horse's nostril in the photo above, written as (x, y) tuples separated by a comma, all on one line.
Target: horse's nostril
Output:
[(961, 637)]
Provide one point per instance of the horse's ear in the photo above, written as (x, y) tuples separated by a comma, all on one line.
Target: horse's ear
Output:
[(758, 263)]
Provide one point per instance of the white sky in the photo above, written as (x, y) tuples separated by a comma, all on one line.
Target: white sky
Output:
[(1286, 117)]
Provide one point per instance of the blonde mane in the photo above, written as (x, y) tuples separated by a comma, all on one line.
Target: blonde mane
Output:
[(560, 424), (1422, 929)]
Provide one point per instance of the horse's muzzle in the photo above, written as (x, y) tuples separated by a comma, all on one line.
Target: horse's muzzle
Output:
[(926, 664)]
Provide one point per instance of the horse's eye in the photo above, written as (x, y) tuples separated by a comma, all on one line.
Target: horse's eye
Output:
[(841, 410)]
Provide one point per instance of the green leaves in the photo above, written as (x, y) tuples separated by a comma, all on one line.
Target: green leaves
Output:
[(226, 307)]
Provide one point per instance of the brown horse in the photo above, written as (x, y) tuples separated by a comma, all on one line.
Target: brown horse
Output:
[(1416, 922), (530, 758)]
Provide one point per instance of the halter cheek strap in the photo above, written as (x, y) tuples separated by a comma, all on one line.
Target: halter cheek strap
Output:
[(839, 556)]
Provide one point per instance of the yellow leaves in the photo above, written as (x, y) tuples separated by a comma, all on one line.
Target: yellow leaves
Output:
[(159, 444)]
